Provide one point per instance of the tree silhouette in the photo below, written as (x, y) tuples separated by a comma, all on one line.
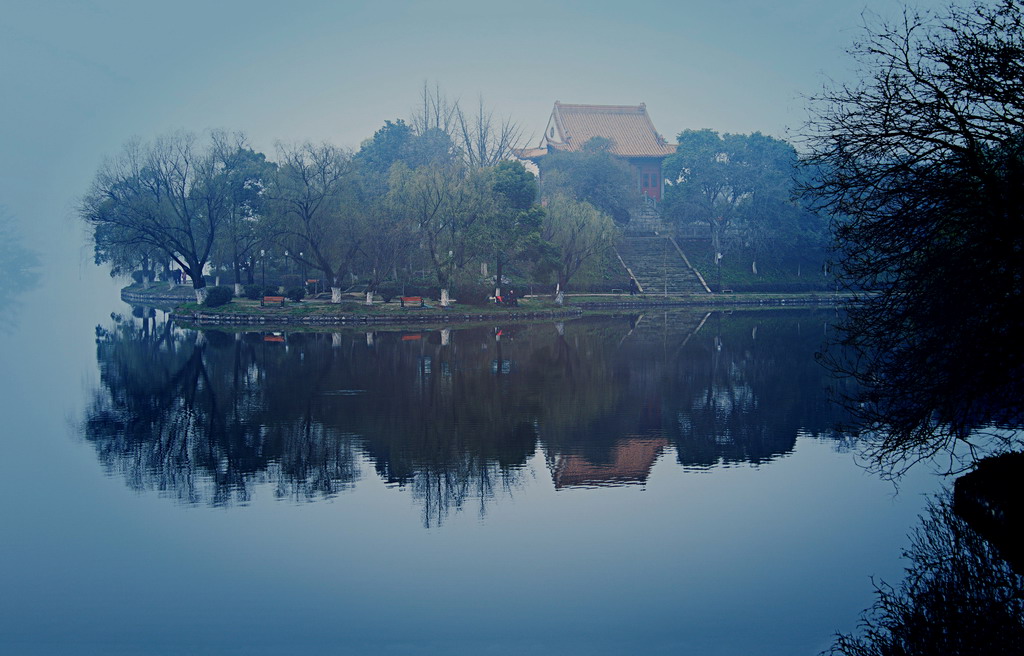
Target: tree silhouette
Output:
[(922, 166)]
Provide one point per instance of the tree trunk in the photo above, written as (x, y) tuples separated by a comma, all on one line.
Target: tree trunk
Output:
[(369, 297), (559, 295), (335, 294), (497, 277), (238, 289), (445, 301), (199, 286)]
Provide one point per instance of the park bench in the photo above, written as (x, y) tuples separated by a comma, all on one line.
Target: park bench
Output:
[(273, 299), (412, 301)]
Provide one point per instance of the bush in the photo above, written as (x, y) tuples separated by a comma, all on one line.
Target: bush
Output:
[(252, 292), (290, 281), (296, 293), (475, 292), (138, 276), (388, 292), (217, 296)]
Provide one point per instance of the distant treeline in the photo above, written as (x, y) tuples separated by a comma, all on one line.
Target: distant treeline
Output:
[(437, 203)]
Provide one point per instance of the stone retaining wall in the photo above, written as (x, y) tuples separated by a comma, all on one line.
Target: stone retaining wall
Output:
[(213, 319), (154, 298), (716, 301)]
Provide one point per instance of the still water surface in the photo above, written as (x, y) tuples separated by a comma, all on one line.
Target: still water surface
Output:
[(660, 483)]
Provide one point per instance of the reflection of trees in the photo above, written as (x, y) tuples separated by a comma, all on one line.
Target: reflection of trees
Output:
[(738, 390), (205, 416), (17, 269), (180, 412), (959, 597)]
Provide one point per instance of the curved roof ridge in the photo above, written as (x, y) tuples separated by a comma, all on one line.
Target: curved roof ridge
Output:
[(628, 127)]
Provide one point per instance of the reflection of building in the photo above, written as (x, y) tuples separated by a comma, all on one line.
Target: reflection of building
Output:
[(631, 463), (628, 127)]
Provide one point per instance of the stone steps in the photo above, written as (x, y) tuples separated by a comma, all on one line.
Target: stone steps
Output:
[(658, 266)]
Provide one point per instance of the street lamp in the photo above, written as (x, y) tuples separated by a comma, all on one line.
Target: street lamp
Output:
[(263, 264)]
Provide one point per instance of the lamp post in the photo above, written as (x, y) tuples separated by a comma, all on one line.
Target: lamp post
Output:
[(263, 264)]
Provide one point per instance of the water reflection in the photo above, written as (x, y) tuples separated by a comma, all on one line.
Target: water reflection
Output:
[(453, 416), (960, 596), (18, 270)]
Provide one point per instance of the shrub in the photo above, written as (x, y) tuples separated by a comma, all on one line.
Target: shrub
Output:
[(217, 296), (388, 292), (291, 280), (296, 293), (252, 292), (474, 292), (138, 276)]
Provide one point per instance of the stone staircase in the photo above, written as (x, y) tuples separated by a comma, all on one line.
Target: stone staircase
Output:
[(658, 265), (645, 219)]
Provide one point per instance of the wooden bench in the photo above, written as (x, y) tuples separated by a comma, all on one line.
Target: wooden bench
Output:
[(412, 301), (272, 299)]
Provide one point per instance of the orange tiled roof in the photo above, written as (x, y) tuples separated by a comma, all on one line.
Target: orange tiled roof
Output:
[(634, 458), (627, 126)]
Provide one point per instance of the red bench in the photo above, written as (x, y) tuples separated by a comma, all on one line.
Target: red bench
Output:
[(412, 301), (272, 299)]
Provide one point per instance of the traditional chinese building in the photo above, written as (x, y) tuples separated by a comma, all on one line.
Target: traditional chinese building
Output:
[(627, 127), (632, 460)]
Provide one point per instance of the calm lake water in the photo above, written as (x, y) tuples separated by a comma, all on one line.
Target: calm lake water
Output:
[(657, 483)]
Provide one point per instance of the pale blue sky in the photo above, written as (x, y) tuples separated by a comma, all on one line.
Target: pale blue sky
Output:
[(78, 78)]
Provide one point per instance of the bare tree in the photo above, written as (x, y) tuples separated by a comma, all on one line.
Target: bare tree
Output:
[(166, 195), (435, 112), (921, 163), (482, 139), (447, 204), (246, 176), (316, 200)]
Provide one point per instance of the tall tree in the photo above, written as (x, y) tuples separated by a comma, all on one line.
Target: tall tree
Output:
[(387, 242), (316, 200), (245, 177), (124, 255), (479, 138), (743, 186), (167, 195), (579, 231), (447, 204), (592, 175), (514, 223), (922, 163)]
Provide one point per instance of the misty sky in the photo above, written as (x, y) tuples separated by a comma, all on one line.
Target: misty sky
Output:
[(80, 77)]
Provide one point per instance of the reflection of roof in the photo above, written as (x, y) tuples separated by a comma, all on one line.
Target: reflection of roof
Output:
[(628, 127), (631, 464)]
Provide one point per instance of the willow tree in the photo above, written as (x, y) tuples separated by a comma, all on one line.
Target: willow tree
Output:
[(448, 205), (578, 231)]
